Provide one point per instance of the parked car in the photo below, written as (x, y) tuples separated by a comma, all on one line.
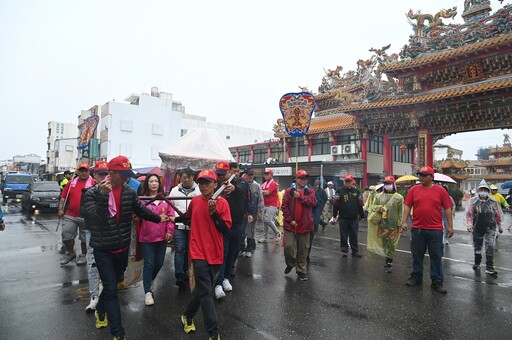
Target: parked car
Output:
[(15, 184), (41, 195)]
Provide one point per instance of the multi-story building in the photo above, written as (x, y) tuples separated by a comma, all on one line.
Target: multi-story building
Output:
[(499, 165), (27, 163), (61, 152), (144, 124)]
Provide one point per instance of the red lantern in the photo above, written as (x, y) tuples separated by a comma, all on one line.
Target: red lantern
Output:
[(403, 147)]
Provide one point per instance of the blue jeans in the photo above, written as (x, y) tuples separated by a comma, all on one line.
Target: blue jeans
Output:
[(231, 249), (111, 268), (423, 239), (154, 256), (180, 253), (348, 233)]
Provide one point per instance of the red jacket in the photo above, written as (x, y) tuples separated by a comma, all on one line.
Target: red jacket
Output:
[(289, 206)]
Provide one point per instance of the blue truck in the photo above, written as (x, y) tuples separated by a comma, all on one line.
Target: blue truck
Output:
[(15, 184)]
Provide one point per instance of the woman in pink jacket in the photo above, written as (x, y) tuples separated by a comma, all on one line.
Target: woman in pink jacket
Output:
[(153, 237)]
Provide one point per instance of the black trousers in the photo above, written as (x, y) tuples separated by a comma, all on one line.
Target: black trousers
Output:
[(348, 234), (205, 276)]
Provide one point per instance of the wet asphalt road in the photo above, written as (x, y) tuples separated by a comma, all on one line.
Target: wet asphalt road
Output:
[(344, 298)]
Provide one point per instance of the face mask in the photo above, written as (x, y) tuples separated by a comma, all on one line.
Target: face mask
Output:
[(483, 194), (388, 187)]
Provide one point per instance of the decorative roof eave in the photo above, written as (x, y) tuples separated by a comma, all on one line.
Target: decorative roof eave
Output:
[(332, 94), (504, 177), (459, 177), (482, 46), (334, 122), (433, 95)]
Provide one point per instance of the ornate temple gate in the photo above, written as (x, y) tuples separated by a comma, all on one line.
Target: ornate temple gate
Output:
[(450, 79)]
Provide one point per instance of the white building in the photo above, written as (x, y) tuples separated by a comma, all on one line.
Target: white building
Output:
[(61, 153), (442, 152), (145, 124)]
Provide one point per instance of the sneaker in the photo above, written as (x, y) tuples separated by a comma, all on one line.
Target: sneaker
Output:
[(214, 337), (491, 271), (438, 287), (263, 240), (101, 321), (148, 299), (226, 285), (344, 253), (68, 257), (180, 283), (288, 269), (119, 337), (248, 254), (219, 292), (389, 267), (62, 250), (356, 255), (81, 260), (242, 253), (92, 304), (302, 276), (476, 267), (188, 324), (411, 282), (446, 242)]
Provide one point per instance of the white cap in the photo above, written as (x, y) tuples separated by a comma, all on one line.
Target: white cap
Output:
[(330, 182)]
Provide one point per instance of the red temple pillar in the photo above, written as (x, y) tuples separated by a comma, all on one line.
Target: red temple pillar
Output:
[(388, 156), (310, 149), (237, 155), (287, 148), (252, 154), (364, 157), (269, 151)]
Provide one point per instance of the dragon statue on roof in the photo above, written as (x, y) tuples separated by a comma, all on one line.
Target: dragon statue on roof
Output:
[(433, 20)]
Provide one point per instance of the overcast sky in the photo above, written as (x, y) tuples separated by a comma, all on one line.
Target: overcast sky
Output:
[(227, 60)]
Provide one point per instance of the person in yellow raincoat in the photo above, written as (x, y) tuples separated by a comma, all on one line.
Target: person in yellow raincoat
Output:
[(373, 244), (388, 208)]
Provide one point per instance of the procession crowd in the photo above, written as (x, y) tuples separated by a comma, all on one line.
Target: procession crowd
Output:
[(210, 219)]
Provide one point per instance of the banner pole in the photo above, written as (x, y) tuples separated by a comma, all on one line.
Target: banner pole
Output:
[(296, 154)]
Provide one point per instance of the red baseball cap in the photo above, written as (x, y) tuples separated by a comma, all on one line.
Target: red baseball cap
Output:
[(221, 168), (84, 166), (348, 178), (301, 174), (121, 164), (389, 179), (426, 170), (269, 171), (207, 174), (101, 167)]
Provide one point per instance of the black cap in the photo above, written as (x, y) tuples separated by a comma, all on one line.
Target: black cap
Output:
[(249, 171), (67, 172)]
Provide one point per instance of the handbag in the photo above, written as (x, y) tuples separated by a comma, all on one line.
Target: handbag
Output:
[(375, 217)]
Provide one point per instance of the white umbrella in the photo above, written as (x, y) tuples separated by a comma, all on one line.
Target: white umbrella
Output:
[(443, 178)]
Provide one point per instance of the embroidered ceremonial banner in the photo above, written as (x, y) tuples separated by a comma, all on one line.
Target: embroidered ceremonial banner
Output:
[(297, 109), (87, 132)]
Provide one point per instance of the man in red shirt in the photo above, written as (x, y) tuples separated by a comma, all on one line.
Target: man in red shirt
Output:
[(269, 190), (69, 211), (210, 220), (298, 204), (427, 200)]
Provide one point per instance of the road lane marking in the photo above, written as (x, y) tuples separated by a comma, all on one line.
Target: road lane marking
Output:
[(408, 252)]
